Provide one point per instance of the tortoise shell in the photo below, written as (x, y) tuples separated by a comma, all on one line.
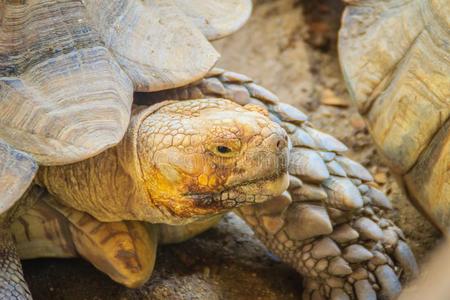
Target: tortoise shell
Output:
[(395, 56)]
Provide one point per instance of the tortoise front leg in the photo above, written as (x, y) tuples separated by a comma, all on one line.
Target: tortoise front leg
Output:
[(17, 171), (353, 255), (12, 282)]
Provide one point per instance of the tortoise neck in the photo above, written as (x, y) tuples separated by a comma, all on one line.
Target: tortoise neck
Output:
[(104, 186)]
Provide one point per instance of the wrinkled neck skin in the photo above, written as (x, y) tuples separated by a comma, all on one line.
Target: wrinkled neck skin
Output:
[(102, 186), (179, 162)]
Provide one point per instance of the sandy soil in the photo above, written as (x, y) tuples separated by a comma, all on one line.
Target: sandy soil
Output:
[(289, 47)]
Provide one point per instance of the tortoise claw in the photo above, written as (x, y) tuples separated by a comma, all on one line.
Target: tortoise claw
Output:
[(364, 290), (405, 258), (390, 284)]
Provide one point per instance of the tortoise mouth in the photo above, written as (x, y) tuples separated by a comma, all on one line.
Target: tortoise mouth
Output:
[(245, 193)]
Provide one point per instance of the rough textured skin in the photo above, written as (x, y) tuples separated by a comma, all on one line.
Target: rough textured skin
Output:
[(329, 229), (152, 41), (402, 89), (63, 97), (178, 163), (12, 283), (330, 224), (170, 169), (156, 176), (17, 170), (216, 18), (42, 111)]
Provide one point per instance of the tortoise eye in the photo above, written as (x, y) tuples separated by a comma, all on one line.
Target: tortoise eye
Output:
[(223, 149)]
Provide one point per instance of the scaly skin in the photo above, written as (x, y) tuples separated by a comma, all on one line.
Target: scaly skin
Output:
[(17, 171), (170, 169), (330, 225), (179, 162), (12, 283)]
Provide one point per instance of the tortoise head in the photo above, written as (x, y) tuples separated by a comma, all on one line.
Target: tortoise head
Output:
[(206, 156)]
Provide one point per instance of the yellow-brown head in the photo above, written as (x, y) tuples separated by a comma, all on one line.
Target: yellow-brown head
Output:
[(205, 156)]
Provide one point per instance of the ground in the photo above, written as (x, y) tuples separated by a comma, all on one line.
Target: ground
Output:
[(289, 47)]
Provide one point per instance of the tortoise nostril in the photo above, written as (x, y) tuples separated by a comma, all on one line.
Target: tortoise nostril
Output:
[(281, 143)]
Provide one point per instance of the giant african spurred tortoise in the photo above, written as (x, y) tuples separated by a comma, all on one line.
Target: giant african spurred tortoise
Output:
[(114, 181)]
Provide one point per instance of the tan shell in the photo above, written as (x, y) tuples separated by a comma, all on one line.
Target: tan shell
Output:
[(395, 56), (216, 18), (65, 88), (153, 41), (63, 98)]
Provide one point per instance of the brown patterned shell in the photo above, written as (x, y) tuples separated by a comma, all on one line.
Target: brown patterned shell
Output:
[(216, 18), (153, 41), (63, 98), (395, 56)]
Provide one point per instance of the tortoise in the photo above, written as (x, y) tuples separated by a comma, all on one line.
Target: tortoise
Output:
[(110, 189), (402, 90)]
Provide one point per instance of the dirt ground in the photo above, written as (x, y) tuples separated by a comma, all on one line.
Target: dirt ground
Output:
[(289, 47)]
